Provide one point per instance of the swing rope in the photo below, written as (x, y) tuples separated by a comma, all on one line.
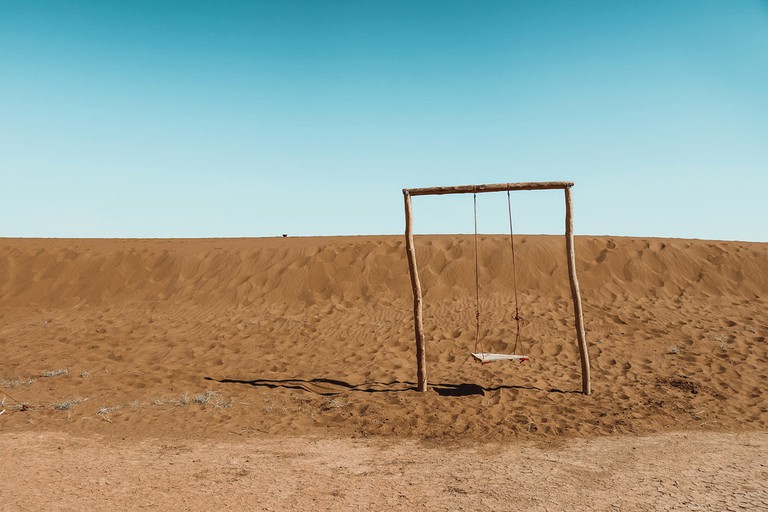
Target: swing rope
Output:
[(518, 318), (477, 285), (514, 273)]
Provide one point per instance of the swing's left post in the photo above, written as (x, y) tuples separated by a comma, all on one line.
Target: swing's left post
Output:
[(418, 324)]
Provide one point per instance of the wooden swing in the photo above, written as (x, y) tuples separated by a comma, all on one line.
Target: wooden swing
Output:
[(480, 354)]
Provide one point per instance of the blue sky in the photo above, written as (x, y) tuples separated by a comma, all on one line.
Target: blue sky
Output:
[(207, 119)]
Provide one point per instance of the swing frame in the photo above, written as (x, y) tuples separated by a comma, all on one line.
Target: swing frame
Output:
[(418, 313)]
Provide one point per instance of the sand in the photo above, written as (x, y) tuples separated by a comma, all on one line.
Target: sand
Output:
[(702, 471), (288, 339)]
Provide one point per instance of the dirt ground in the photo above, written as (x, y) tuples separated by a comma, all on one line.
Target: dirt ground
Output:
[(676, 471)]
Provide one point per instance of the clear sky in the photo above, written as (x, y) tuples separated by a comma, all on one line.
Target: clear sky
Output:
[(202, 119)]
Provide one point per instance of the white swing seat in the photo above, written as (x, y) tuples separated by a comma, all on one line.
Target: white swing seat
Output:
[(485, 357)]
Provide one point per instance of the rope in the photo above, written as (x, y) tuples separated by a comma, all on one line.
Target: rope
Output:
[(514, 272), (518, 318), (477, 284), (23, 406)]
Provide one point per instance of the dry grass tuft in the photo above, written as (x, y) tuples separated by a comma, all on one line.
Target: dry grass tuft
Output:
[(335, 403), (721, 340), (54, 373), (221, 403), (16, 383), (67, 405), (104, 412), (204, 398)]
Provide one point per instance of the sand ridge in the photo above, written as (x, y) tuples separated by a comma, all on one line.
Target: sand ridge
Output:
[(295, 335)]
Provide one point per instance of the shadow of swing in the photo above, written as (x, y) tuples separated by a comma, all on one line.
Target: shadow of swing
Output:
[(323, 386), (467, 389), (327, 387)]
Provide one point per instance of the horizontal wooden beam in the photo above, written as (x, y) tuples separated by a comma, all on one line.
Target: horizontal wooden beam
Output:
[(495, 187)]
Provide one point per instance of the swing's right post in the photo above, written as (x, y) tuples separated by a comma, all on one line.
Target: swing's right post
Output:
[(586, 382)]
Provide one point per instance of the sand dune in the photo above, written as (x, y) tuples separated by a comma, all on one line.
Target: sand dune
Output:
[(314, 335)]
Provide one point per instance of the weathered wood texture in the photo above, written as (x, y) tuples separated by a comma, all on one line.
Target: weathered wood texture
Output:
[(418, 323), (586, 383), (495, 187)]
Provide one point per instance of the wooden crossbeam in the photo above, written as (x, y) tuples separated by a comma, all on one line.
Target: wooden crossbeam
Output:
[(494, 187)]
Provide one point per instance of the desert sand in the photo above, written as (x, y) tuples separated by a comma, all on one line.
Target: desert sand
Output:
[(293, 360)]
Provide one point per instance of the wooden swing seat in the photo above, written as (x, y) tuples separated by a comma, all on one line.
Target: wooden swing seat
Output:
[(485, 357)]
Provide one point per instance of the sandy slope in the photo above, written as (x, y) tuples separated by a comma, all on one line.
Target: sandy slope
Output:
[(314, 335)]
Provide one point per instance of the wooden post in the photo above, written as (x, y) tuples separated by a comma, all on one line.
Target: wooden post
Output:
[(586, 383), (418, 324)]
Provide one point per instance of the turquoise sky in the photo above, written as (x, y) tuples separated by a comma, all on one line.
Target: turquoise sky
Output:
[(203, 119)]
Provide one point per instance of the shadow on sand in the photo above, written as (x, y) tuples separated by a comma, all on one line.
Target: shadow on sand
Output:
[(323, 386)]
